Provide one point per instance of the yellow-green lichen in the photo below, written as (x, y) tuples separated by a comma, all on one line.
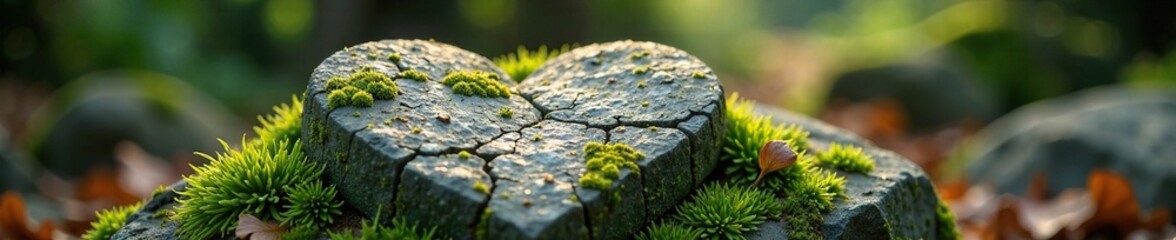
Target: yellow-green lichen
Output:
[(641, 84), (481, 187), (505, 112), (640, 70), (639, 55), (698, 74), (604, 163), (463, 155), (394, 57), (476, 83)]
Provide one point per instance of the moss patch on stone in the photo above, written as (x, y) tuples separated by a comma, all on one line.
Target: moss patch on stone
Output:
[(360, 89), (414, 75), (476, 83), (945, 223), (604, 163), (109, 221), (727, 211), (846, 157), (521, 64)]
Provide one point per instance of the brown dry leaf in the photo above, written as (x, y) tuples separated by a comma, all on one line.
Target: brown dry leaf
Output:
[(249, 227), (102, 183), (773, 156), (14, 219), (1115, 204), (1006, 224)]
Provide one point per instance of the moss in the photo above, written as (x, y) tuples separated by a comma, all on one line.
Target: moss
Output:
[(476, 83), (505, 112), (417, 130), (463, 155), (481, 187), (746, 134), (639, 55), (483, 229), (234, 182), (109, 221), (537, 137), (356, 114), (645, 103), (394, 57), (641, 84), (400, 229), (846, 157), (945, 223), (360, 89), (520, 65), (414, 75), (284, 124), (318, 131), (698, 74), (659, 231), (640, 70), (372, 56), (311, 205), (604, 162), (727, 211)]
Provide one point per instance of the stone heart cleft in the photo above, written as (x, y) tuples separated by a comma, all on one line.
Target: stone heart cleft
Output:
[(439, 154)]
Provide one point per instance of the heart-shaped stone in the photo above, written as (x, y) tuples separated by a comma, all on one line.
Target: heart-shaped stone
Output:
[(508, 166)]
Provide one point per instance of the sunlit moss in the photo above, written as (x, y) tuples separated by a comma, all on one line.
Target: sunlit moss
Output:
[(311, 205), (846, 157), (640, 70), (360, 89), (698, 74), (414, 75), (476, 83), (394, 57), (604, 163), (521, 64), (659, 231), (481, 187), (400, 229), (723, 211), (284, 124), (945, 222), (505, 112), (110, 221), (747, 132)]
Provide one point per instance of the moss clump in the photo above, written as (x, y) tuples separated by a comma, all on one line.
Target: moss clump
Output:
[(414, 75), (640, 70), (746, 134), (604, 163), (110, 221), (463, 155), (846, 157), (481, 187), (311, 205), (476, 83), (284, 124), (639, 55), (669, 231), (399, 230), (698, 74), (519, 66), (394, 57), (945, 223), (360, 89), (727, 211), (249, 181), (505, 112)]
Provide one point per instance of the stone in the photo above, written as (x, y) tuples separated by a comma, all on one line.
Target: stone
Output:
[(402, 156), (151, 222), (896, 200), (1128, 130)]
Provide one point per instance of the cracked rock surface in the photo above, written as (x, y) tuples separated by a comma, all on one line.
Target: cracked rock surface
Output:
[(518, 177)]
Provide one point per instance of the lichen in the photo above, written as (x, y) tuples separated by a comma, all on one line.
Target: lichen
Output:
[(698, 74), (639, 55), (604, 162), (476, 83), (640, 70), (481, 187)]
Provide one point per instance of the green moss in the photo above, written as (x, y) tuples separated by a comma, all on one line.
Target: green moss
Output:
[(356, 114), (604, 162), (372, 56), (641, 84), (659, 231), (415, 75), (394, 57), (476, 83), (360, 89), (640, 70), (311, 205), (234, 182), (463, 155), (536, 137), (110, 221), (505, 112), (727, 211), (846, 157), (417, 130), (945, 222), (373, 230), (521, 64), (639, 55), (284, 124), (481, 187), (698, 74), (645, 103), (746, 134), (483, 229)]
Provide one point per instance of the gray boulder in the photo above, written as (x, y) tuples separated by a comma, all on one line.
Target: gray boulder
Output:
[(1126, 129), (151, 222)]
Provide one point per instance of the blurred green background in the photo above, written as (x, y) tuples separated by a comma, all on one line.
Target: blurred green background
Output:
[(899, 72)]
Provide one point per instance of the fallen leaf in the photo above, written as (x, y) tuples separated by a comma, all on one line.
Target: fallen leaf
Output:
[(773, 156), (249, 227), (1115, 204), (1048, 218), (14, 220), (1006, 224)]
